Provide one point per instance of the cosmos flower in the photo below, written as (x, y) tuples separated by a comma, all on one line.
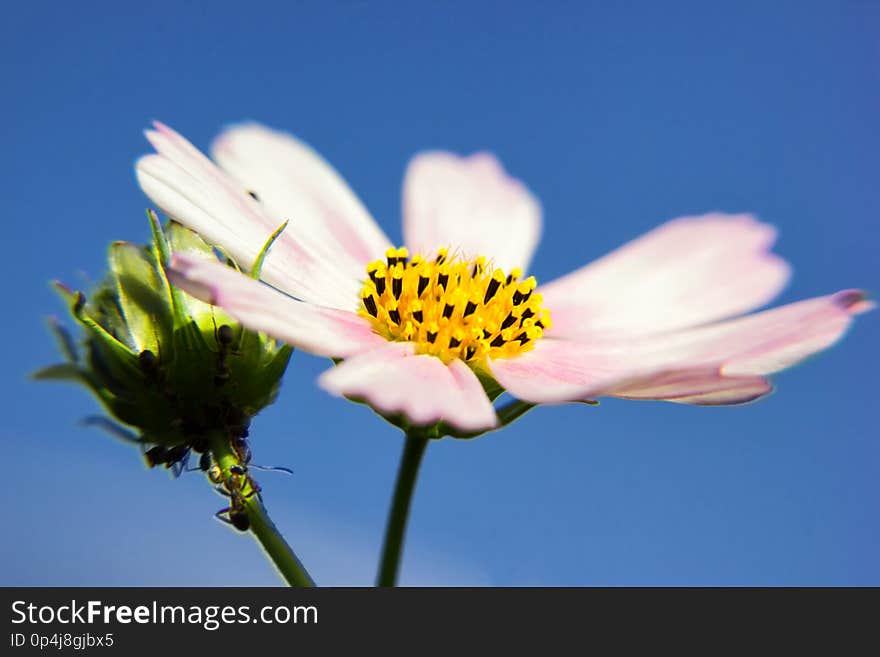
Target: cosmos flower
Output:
[(433, 332)]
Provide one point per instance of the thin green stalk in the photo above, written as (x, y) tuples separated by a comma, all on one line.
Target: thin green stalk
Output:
[(276, 548), (260, 525), (407, 473)]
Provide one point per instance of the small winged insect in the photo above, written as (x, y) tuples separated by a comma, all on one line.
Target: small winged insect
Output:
[(173, 458)]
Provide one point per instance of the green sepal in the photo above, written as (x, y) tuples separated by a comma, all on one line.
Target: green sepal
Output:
[(140, 295), (159, 360), (60, 372), (257, 269)]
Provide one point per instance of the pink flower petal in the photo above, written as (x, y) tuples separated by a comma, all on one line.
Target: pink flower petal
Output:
[(765, 342), (394, 380), (293, 181), (557, 371), (470, 205), (315, 329), (190, 188), (675, 366), (702, 386), (689, 271)]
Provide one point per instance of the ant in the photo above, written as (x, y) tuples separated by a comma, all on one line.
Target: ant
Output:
[(234, 487), (236, 512), (225, 337)]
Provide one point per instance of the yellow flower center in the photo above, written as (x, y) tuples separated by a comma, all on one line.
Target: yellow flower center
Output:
[(452, 308)]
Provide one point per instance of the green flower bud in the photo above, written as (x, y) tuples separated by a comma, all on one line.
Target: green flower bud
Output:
[(173, 368)]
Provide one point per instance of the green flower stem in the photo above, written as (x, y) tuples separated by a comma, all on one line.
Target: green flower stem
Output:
[(413, 451), (264, 530)]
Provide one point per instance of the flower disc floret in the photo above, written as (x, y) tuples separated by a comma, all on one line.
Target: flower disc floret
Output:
[(453, 308)]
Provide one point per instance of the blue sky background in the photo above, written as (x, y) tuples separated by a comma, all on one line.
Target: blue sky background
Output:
[(618, 116)]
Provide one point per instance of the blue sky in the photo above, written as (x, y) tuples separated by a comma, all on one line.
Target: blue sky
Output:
[(618, 116)]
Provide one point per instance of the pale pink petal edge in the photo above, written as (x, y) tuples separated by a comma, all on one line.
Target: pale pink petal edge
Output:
[(394, 380), (318, 330)]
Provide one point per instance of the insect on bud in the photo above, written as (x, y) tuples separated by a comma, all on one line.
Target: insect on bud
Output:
[(169, 366)]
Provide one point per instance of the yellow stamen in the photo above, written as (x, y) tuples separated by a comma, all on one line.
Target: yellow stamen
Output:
[(452, 308)]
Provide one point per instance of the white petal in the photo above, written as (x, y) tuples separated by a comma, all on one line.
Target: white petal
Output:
[(556, 371), (190, 188), (470, 205), (683, 366), (315, 329), (689, 271), (701, 386), (394, 380), (768, 341), (291, 180)]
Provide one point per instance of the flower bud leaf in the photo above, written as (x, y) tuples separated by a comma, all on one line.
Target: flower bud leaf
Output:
[(60, 372), (140, 294), (261, 256), (171, 367)]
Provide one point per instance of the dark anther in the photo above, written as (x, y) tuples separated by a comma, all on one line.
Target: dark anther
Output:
[(517, 298), (522, 337), (497, 342), (491, 290), (370, 305), (486, 333), (475, 270), (396, 287), (539, 324), (469, 308), (224, 334), (528, 312), (442, 280), (380, 285), (394, 315), (432, 336), (423, 283), (447, 310), (418, 316), (508, 321), (526, 296), (469, 352), (440, 259), (454, 342), (509, 279)]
